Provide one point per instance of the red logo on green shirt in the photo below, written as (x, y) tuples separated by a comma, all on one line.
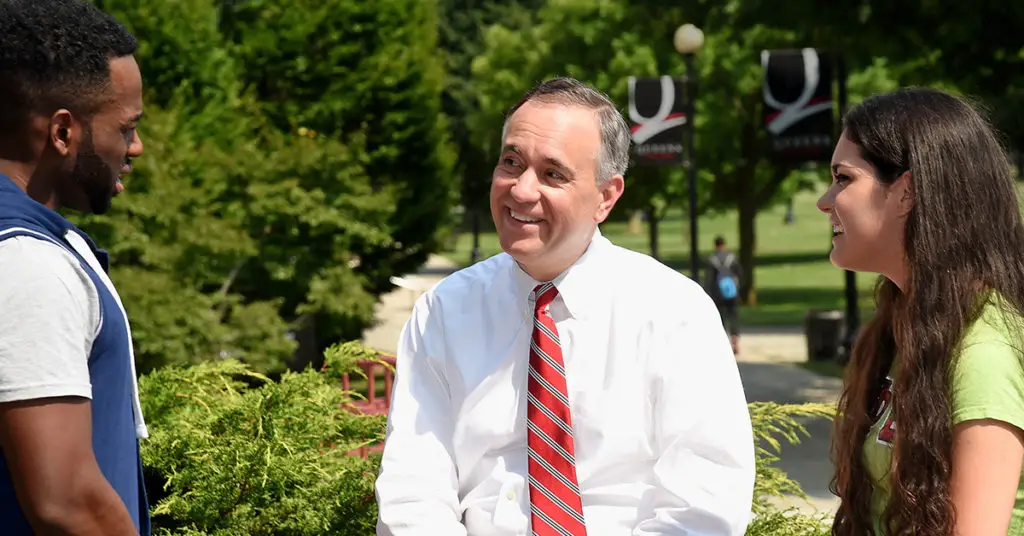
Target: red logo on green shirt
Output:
[(883, 409)]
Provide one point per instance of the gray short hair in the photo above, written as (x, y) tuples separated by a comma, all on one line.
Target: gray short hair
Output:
[(613, 158)]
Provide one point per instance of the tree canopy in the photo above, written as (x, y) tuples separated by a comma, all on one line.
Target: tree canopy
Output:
[(296, 158), (604, 43)]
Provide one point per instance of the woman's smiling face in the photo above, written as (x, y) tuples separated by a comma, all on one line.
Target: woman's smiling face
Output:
[(868, 217)]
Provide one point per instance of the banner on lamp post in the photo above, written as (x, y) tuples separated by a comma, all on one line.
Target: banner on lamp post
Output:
[(657, 120), (798, 104)]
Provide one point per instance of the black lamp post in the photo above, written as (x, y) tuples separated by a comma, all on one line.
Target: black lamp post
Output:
[(688, 40), (849, 276)]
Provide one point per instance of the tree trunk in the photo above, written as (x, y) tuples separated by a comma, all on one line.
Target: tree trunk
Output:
[(652, 229), (747, 205), (307, 353), (636, 222)]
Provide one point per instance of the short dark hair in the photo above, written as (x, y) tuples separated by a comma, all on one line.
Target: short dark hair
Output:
[(55, 54), (615, 136), (719, 241)]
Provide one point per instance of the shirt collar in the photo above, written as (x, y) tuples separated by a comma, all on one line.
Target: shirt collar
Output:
[(579, 285)]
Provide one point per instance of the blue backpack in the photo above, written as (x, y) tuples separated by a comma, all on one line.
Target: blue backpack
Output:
[(726, 282)]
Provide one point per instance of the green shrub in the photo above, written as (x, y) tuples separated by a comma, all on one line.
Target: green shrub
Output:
[(771, 422), (232, 452), (235, 453)]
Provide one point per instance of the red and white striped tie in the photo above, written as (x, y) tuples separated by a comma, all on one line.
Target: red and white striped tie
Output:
[(556, 508)]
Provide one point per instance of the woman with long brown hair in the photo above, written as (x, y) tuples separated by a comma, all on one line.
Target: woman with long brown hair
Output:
[(929, 440)]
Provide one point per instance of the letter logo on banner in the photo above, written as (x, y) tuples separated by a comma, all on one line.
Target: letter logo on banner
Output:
[(656, 113), (798, 104)]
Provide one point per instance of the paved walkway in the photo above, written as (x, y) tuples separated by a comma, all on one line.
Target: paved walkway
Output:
[(766, 362)]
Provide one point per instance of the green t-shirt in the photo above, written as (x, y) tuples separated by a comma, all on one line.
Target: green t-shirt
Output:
[(988, 383)]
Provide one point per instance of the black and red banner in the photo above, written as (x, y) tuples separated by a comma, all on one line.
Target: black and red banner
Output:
[(799, 109), (657, 118)]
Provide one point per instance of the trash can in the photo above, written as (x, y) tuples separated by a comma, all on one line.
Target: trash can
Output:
[(824, 332)]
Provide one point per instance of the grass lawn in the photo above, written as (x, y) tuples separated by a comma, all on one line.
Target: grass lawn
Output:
[(823, 368), (792, 271)]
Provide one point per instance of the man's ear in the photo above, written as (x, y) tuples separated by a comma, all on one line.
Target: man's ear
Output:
[(611, 190), (63, 134), (904, 188)]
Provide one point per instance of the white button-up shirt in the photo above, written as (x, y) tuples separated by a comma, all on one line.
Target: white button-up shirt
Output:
[(663, 437)]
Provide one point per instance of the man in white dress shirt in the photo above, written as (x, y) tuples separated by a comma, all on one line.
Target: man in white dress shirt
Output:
[(566, 386)]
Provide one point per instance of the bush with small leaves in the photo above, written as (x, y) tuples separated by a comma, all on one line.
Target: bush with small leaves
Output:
[(771, 422), (232, 452)]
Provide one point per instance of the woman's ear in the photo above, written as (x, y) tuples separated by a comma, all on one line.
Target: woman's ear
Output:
[(903, 188)]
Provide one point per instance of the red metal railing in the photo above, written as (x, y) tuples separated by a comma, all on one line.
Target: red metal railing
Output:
[(372, 404)]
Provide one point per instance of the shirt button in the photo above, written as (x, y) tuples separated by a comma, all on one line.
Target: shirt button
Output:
[(511, 496)]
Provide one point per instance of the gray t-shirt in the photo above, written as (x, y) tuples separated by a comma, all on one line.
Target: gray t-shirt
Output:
[(51, 313)]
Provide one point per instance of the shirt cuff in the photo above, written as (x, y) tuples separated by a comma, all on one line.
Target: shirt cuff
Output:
[(49, 390)]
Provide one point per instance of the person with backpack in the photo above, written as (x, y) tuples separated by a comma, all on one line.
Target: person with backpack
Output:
[(723, 285)]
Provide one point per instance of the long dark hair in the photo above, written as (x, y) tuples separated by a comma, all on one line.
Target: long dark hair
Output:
[(963, 237)]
